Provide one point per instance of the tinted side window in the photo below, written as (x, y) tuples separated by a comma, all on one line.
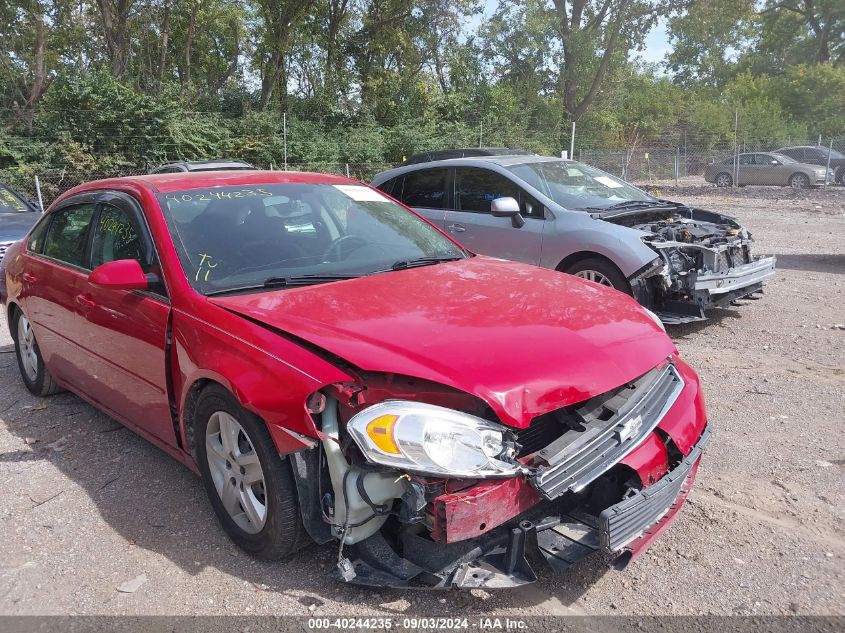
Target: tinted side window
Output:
[(425, 188), (116, 237), (36, 239), (476, 189), (390, 186), (746, 159), (67, 237)]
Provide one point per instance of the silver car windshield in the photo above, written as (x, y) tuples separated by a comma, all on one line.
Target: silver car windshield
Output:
[(245, 238), (575, 185)]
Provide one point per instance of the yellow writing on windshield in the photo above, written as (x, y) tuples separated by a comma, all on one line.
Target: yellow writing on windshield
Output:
[(206, 264), (217, 194)]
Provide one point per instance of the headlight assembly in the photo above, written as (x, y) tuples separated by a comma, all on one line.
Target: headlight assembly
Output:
[(434, 440)]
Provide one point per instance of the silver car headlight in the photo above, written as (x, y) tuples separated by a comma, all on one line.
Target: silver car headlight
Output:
[(655, 318), (434, 440)]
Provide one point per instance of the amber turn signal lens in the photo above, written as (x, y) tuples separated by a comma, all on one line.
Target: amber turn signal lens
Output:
[(380, 431)]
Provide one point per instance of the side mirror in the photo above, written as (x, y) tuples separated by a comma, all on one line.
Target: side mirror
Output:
[(121, 274), (507, 207), (774, 162)]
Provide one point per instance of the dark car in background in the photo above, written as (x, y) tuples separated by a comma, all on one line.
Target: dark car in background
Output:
[(184, 166), (17, 215), (811, 155)]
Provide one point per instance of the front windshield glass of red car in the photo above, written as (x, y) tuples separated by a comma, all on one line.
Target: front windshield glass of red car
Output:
[(576, 185), (240, 237)]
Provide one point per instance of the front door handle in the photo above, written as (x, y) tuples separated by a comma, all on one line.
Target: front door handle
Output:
[(85, 301), (456, 227), (29, 278)]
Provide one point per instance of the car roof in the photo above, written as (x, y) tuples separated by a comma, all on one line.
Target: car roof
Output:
[(165, 183), (474, 161), (467, 152)]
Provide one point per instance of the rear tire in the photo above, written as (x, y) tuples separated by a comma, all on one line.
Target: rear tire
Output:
[(36, 377), (602, 272), (724, 179), (840, 176), (251, 487)]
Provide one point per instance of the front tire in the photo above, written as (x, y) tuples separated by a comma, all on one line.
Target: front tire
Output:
[(251, 487), (36, 377), (602, 272), (799, 181)]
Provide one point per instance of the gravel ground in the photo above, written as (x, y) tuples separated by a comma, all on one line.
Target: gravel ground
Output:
[(86, 506)]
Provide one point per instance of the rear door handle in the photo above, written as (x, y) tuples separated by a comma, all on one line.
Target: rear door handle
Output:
[(29, 278), (456, 227), (85, 302)]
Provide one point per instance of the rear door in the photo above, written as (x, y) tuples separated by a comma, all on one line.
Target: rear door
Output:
[(424, 190), (55, 268), (471, 222), (124, 332), (747, 171)]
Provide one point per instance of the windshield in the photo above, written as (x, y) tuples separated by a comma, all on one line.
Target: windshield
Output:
[(576, 185), (237, 237), (11, 203)]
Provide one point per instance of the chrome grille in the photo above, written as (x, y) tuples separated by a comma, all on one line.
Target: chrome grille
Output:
[(618, 422)]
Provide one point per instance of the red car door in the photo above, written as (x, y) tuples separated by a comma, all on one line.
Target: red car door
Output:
[(124, 332), (55, 266)]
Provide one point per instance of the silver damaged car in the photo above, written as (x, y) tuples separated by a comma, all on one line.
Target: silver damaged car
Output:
[(561, 214)]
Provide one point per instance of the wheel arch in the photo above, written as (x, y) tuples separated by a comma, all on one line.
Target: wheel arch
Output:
[(11, 309), (574, 258), (286, 441)]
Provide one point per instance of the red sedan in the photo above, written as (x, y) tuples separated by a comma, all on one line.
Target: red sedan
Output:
[(338, 370)]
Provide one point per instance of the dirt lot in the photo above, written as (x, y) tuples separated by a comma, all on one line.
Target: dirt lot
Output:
[(85, 505)]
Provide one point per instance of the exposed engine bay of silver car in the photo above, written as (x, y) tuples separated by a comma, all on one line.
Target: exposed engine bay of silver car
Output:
[(696, 248)]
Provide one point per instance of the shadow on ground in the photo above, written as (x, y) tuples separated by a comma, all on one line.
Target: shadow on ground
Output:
[(820, 263), (155, 503)]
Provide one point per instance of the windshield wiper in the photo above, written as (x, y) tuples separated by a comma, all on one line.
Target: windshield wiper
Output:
[(402, 264), (285, 282), (633, 204)]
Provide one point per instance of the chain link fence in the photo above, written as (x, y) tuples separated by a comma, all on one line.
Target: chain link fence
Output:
[(661, 165), (686, 164), (54, 182)]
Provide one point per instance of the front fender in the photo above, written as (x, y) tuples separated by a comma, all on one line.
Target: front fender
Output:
[(572, 234), (270, 376)]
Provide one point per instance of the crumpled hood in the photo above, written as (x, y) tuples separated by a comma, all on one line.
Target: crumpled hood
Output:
[(525, 340)]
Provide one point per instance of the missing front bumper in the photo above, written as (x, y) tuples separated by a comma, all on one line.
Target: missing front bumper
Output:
[(507, 557)]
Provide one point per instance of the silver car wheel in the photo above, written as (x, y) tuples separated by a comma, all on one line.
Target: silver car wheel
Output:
[(27, 349), (723, 180), (799, 181), (236, 472), (594, 275)]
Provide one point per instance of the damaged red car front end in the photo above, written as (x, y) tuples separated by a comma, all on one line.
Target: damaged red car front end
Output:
[(590, 425)]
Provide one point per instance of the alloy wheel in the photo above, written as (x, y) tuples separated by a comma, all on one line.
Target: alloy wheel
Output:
[(27, 348), (596, 276), (236, 472), (799, 181), (723, 180)]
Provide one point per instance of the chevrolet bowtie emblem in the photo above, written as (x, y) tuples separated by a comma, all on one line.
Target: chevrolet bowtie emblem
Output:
[(629, 429)]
